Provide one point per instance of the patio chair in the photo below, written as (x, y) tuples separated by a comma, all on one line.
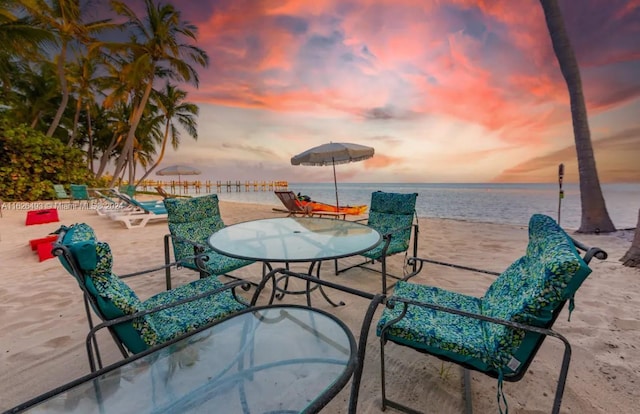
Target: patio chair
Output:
[(137, 214), (191, 222), (136, 325), (392, 214), (61, 193), (498, 334), (295, 209), (79, 192), (128, 189)]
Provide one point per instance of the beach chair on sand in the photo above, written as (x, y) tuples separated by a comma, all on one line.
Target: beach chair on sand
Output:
[(133, 213), (136, 325), (79, 192), (191, 222), (61, 193), (295, 209), (498, 334), (393, 215)]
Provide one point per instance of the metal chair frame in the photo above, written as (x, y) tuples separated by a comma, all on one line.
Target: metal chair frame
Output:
[(544, 331), (91, 305)]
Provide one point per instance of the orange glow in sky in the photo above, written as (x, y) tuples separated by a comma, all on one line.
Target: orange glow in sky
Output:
[(445, 91)]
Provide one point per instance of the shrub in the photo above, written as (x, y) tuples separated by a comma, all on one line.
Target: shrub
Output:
[(30, 163)]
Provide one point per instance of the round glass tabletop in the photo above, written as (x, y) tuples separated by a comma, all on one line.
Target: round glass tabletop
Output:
[(294, 239), (263, 360)]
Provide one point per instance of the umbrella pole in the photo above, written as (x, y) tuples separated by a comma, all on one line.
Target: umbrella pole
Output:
[(335, 183)]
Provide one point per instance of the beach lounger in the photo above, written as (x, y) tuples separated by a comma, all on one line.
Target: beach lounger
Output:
[(140, 218), (137, 214), (499, 333), (392, 214), (295, 209), (136, 325), (61, 193)]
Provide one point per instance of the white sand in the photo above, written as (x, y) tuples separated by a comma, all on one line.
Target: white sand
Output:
[(43, 323)]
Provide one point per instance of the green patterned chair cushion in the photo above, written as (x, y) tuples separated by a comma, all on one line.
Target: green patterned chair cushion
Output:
[(434, 331), (391, 213), (536, 284), (195, 219), (529, 291), (77, 233), (172, 322), (113, 298)]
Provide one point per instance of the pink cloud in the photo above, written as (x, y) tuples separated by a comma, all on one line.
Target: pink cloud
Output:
[(484, 62)]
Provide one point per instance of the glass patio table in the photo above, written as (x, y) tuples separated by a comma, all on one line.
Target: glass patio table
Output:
[(295, 239), (269, 359)]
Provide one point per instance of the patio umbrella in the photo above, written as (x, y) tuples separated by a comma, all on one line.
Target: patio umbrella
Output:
[(331, 154), (179, 170)]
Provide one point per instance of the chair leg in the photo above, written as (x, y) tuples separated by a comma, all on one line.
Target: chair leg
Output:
[(466, 375), (167, 260), (382, 377), (383, 264)]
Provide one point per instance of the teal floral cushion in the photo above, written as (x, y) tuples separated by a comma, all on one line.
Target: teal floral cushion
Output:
[(75, 235), (173, 322), (391, 213), (115, 299), (529, 291), (196, 219), (434, 331), (536, 285)]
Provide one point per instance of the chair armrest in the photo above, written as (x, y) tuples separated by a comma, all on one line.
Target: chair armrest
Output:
[(91, 335), (199, 259), (419, 261), (393, 301), (199, 246)]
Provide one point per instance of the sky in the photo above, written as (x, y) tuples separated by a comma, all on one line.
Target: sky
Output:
[(444, 90)]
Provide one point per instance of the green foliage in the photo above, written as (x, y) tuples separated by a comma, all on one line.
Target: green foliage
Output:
[(30, 163)]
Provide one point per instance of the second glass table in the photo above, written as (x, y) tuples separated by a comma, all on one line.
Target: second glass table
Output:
[(292, 239)]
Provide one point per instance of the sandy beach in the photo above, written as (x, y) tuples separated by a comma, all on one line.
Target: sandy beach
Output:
[(43, 322)]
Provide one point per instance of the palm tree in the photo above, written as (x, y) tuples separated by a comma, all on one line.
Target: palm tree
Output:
[(82, 74), (157, 49), (20, 41), (63, 18), (632, 256), (170, 103), (595, 218)]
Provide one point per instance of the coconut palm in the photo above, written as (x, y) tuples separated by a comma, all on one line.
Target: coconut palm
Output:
[(170, 103), (20, 40), (63, 18), (156, 50), (595, 218)]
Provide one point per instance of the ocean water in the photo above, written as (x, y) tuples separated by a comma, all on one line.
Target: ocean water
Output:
[(494, 203)]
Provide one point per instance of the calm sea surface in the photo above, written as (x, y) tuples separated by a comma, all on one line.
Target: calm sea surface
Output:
[(495, 203)]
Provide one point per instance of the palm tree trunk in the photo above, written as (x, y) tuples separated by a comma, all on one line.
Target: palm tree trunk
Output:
[(76, 119), (161, 156), (90, 134), (632, 257), (65, 90), (137, 115), (595, 218)]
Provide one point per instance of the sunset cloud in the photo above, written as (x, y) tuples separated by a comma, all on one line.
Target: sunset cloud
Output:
[(366, 66)]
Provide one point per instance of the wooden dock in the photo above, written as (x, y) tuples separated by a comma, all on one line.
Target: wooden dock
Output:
[(208, 186)]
